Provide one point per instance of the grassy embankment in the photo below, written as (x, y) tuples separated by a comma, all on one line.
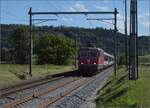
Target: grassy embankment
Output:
[(144, 59), (120, 92), (10, 73)]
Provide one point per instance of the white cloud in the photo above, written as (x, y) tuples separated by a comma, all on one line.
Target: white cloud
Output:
[(78, 7), (100, 8), (67, 19), (145, 23), (144, 19), (106, 1), (120, 23), (72, 9), (143, 16), (147, 14)]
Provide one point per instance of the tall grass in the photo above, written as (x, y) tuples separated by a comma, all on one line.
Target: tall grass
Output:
[(120, 92)]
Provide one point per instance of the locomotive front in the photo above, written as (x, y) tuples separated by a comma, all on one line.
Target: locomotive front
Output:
[(90, 59)]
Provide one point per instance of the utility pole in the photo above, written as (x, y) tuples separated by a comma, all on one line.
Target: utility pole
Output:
[(0, 43), (126, 36), (75, 51), (30, 42), (0, 39), (115, 41), (133, 59)]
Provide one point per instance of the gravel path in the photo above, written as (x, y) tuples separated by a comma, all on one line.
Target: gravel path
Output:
[(84, 97)]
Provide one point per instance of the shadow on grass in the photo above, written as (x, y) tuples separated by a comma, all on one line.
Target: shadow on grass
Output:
[(107, 99), (116, 95), (108, 92), (112, 91), (121, 79), (106, 85), (113, 88), (21, 76)]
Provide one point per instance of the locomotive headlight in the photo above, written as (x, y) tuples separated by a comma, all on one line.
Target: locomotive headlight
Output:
[(94, 63)]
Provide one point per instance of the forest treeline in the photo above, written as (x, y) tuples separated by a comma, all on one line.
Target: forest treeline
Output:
[(101, 37), (46, 49)]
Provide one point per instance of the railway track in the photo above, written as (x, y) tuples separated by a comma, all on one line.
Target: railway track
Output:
[(37, 93), (59, 96), (47, 96), (5, 92), (30, 84)]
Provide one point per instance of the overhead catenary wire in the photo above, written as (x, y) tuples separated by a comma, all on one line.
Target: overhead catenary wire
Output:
[(13, 15), (101, 20), (89, 21), (31, 13), (55, 8), (43, 20)]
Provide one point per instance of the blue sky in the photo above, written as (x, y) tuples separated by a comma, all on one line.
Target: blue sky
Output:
[(16, 12)]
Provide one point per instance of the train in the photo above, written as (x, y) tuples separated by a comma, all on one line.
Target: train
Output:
[(91, 60)]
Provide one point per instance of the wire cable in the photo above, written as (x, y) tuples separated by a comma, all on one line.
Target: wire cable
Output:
[(13, 15), (46, 20), (50, 4)]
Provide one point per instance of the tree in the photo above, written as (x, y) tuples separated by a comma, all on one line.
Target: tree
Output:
[(121, 59), (19, 41), (54, 49)]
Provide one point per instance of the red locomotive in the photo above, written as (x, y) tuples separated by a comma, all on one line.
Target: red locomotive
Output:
[(93, 59)]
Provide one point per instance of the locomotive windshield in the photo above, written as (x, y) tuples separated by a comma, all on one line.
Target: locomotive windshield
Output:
[(93, 53), (90, 53), (83, 54)]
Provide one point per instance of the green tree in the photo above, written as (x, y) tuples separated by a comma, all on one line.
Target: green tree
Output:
[(54, 49), (121, 59), (19, 41)]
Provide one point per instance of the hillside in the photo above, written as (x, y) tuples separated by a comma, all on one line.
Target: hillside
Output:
[(103, 38)]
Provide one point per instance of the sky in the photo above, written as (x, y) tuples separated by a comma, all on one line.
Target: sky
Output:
[(16, 12)]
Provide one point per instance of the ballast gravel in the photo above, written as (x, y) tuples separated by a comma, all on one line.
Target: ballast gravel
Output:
[(84, 97)]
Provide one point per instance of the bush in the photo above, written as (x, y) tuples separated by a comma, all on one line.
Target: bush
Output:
[(54, 49)]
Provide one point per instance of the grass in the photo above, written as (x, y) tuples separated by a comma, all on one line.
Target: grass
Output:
[(120, 92), (144, 59), (12, 73)]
